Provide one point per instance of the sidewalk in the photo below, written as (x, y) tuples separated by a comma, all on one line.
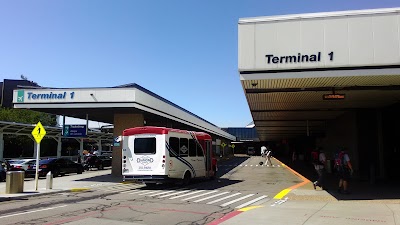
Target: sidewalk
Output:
[(302, 205), (368, 204), (72, 182)]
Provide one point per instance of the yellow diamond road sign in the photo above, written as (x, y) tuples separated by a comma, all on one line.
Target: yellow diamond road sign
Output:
[(38, 132)]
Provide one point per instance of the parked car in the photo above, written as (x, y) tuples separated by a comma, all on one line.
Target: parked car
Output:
[(97, 161), (57, 166), (2, 172), (22, 164)]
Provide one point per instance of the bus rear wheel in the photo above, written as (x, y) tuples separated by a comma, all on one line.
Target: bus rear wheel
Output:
[(150, 184), (187, 178)]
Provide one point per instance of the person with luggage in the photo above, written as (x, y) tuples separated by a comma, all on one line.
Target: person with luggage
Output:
[(319, 162), (344, 169)]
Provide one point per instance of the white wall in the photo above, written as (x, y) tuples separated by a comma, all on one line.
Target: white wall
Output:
[(354, 39)]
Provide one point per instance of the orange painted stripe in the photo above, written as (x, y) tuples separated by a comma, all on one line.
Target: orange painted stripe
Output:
[(287, 190)]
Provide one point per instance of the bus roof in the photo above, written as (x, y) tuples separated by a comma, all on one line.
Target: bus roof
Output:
[(161, 130)]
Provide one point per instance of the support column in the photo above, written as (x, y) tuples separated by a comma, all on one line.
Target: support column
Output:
[(1, 146), (100, 147), (381, 160), (80, 150), (59, 147), (122, 122)]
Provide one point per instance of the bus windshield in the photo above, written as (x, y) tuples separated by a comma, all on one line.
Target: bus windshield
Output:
[(145, 145)]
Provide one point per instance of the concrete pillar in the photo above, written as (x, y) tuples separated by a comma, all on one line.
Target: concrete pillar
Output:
[(122, 122), (100, 147), (80, 147), (59, 147), (381, 156), (1, 146)]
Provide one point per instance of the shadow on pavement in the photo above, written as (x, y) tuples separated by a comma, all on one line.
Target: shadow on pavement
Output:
[(359, 190)]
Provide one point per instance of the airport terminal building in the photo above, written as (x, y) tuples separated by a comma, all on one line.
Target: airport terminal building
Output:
[(322, 79), (327, 79)]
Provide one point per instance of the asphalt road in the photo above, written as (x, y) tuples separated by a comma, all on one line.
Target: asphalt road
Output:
[(242, 182)]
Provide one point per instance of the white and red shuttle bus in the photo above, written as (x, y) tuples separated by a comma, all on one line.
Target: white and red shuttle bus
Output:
[(158, 155)]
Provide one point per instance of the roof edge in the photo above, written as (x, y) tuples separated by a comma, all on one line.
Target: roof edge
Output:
[(318, 15)]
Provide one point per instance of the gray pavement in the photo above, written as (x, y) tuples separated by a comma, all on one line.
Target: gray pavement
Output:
[(71, 182), (298, 205)]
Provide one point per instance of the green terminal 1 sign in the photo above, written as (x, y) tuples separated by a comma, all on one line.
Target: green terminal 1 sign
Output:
[(74, 131)]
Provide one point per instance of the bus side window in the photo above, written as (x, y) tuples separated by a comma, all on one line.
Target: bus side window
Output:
[(199, 149), (174, 144), (183, 147), (192, 148)]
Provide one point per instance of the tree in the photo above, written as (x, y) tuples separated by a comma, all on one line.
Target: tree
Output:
[(27, 116)]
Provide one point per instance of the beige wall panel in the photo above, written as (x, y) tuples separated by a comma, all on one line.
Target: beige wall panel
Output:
[(122, 122)]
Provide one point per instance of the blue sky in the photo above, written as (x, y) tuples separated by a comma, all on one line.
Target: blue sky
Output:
[(184, 51)]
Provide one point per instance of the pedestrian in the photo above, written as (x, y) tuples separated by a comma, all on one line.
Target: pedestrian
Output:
[(268, 156), (319, 161), (344, 170), (263, 151)]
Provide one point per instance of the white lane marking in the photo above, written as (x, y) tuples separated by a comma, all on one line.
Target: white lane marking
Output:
[(251, 202), (236, 200), (149, 192), (141, 191), (192, 193), (212, 196), (130, 191), (280, 201), (178, 192), (164, 192), (218, 200), (199, 195), (39, 210)]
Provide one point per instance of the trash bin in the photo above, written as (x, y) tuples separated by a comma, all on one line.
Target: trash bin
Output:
[(15, 182)]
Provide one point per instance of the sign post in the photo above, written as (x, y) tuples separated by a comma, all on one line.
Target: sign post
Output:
[(38, 133), (223, 149), (233, 148)]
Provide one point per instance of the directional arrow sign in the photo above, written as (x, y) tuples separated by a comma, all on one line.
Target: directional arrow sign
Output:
[(38, 132)]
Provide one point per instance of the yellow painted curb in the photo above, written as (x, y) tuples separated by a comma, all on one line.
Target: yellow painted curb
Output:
[(79, 189), (282, 193), (250, 208)]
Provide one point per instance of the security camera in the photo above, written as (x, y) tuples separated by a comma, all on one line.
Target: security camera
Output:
[(254, 84)]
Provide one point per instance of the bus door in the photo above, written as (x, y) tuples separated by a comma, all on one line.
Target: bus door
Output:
[(208, 157)]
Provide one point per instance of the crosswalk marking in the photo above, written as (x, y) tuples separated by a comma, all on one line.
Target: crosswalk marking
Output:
[(251, 202), (164, 192), (175, 193), (212, 196), (141, 191), (179, 196), (236, 200), (221, 199), (149, 192), (199, 195), (130, 191), (225, 198)]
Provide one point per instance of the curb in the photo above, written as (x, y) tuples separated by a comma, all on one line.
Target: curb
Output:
[(22, 196)]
